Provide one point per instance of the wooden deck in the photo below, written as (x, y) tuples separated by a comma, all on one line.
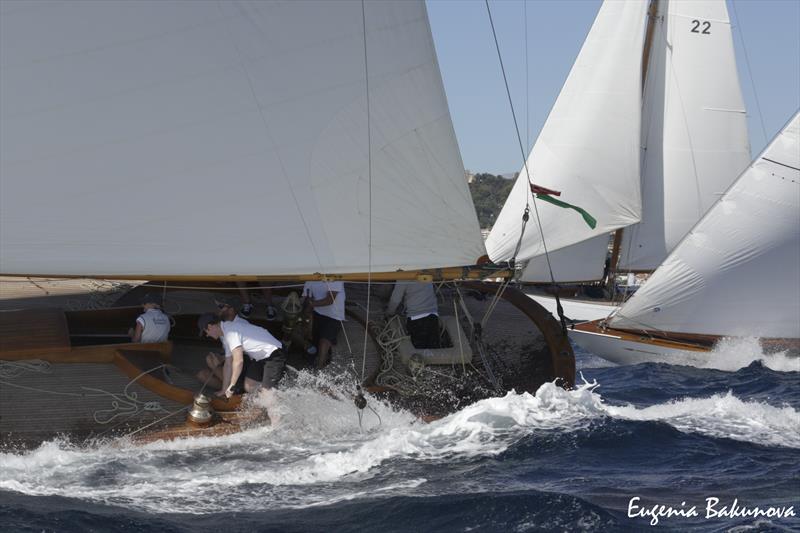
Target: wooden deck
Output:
[(77, 401)]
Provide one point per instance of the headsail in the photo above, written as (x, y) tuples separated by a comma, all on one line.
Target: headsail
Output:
[(226, 138), (694, 127), (589, 146), (737, 272), (580, 262)]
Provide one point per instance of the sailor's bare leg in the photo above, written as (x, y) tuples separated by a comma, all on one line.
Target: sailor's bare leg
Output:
[(323, 353), (251, 385), (268, 398), (215, 362), (208, 377), (212, 375)]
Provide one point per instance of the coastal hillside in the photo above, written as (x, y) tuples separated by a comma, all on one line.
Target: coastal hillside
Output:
[(489, 193)]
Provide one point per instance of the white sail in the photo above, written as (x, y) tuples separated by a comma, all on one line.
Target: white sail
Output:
[(216, 138), (589, 146), (693, 125), (737, 272), (576, 263)]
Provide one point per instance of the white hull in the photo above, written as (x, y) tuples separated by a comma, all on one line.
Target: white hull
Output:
[(577, 310), (630, 352)]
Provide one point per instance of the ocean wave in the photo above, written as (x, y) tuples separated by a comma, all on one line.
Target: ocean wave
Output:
[(319, 454)]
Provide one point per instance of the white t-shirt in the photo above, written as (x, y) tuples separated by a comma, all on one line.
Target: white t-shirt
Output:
[(257, 342), (237, 318), (320, 289), (155, 325)]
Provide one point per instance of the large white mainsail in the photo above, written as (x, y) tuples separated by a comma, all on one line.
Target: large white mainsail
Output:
[(737, 272), (589, 146), (694, 127), (208, 139)]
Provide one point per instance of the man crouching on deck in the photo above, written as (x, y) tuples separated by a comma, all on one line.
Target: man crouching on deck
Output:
[(265, 359)]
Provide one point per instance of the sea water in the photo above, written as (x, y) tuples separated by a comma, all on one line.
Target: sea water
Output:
[(629, 449)]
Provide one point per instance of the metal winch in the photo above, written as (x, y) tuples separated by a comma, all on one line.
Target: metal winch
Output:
[(201, 413)]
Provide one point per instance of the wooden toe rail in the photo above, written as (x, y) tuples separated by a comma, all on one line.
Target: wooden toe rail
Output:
[(151, 382)]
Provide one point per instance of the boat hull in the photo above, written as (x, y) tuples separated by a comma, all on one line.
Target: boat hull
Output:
[(625, 348), (84, 382)]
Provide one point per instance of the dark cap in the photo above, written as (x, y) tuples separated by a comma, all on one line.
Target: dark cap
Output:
[(222, 299), (204, 320), (151, 298)]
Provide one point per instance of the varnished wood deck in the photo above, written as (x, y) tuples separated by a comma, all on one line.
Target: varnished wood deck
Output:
[(596, 327)]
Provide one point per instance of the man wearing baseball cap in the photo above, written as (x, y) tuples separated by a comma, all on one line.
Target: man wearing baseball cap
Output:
[(250, 350)]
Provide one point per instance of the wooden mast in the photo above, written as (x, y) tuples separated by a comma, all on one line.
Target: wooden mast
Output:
[(652, 13)]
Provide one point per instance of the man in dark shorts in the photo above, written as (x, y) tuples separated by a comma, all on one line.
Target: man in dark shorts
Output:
[(254, 354), (421, 310), (327, 300)]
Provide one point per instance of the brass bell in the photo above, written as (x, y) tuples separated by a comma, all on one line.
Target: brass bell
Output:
[(201, 413)]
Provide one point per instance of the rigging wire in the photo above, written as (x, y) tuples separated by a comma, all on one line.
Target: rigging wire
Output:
[(369, 181), (527, 82), (559, 309), (750, 71), (359, 400)]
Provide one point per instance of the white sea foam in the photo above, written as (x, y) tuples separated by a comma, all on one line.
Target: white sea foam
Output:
[(725, 416), (732, 354), (318, 453), (735, 353)]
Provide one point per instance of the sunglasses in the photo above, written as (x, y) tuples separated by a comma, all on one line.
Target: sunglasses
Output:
[(222, 306)]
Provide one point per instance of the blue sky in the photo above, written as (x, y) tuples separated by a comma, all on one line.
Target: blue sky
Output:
[(770, 30)]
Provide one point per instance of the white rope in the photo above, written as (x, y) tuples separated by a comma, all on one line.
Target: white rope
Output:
[(173, 413), (121, 405), (13, 369), (128, 403)]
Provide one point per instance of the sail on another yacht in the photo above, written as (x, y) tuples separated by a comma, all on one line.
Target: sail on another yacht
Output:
[(694, 127), (692, 137), (734, 275), (737, 272), (589, 146)]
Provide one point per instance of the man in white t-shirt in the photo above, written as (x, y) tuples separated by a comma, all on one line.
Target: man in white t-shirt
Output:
[(153, 325), (326, 298), (213, 373), (245, 341)]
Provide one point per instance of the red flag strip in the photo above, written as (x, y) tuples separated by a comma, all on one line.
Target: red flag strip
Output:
[(538, 189)]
